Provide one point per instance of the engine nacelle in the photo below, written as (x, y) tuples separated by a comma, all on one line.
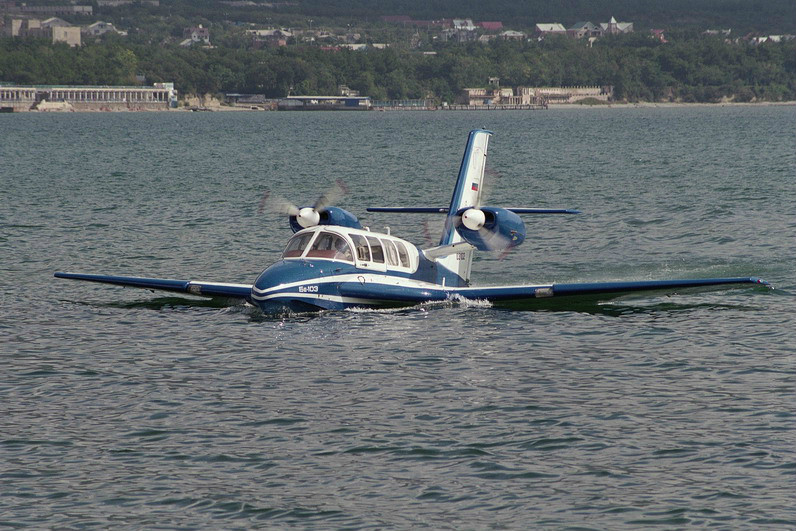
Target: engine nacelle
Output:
[(490, 228), (309, 217)]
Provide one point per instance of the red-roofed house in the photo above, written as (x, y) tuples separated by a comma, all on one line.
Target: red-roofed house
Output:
[(491, 26), (658, 35)]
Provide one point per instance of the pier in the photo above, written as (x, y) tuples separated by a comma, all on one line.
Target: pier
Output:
[(495, 107)]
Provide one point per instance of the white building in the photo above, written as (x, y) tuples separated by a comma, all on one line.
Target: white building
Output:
[(612, 27), (555, 28), (101, 28)]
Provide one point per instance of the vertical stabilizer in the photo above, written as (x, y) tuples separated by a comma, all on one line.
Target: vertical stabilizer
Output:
[(467, 193)]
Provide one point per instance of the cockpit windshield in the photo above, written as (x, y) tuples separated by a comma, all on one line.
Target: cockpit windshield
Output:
[(296, 245), (328, 245)]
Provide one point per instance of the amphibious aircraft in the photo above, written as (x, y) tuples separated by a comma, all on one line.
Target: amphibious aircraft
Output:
[(332, 262)]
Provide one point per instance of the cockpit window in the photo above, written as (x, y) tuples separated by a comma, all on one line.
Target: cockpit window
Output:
[(376, 250), (403, 255), (363, 251), (392, 254), (332, 246), (296, 245)]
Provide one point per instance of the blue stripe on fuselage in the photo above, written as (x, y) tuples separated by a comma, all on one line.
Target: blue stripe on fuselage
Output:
[(290, 271)]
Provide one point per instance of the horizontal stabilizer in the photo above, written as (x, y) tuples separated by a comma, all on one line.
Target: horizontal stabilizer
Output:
[(410, 210), (544, 210), (193, 287), (444, 210)]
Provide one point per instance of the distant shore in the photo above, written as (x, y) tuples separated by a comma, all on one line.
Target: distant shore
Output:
[(551, 106), (671, 105), (557, 106)]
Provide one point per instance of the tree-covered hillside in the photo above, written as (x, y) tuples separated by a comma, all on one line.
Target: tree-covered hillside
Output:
[(704, 69), (769, 16), (419, 63)]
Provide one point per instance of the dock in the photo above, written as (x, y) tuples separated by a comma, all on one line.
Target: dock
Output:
[(495, 107)]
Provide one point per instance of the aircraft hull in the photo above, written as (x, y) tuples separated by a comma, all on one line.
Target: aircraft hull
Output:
[(306, 285)]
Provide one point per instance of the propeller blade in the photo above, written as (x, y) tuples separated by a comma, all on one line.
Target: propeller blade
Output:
[(497, 244), (332, 196), (277, 204), (427, 234), (308, 216)]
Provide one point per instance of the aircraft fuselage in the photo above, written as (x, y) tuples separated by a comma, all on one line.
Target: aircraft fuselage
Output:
[(332, 267)]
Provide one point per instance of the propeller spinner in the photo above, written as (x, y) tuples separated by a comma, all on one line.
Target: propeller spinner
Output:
[(308, 217), (490, 228), (473, 218)]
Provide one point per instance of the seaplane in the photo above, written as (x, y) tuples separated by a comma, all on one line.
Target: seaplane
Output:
[(332, 262)]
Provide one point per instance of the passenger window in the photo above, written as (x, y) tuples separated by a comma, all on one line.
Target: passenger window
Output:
[(403, 255), (331, 246), (392, 254), (376, 250), (297, 244), (361, 244)]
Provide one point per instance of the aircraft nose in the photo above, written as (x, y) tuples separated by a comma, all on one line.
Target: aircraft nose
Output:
[(286, 272), (287, 285)]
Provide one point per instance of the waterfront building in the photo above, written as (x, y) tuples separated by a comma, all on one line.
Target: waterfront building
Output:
[(324, 103), (570, 94), (160, 96)]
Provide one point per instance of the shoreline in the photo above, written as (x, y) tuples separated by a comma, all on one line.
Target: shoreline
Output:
[(672, 105), (551, 106)]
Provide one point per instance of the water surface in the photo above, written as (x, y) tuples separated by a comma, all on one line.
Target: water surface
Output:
[(124, 408)]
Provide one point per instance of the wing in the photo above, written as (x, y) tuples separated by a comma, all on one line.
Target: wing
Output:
[(594, 292), (194, 287)]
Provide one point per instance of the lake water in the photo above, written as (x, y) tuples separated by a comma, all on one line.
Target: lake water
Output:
[(121, 408)]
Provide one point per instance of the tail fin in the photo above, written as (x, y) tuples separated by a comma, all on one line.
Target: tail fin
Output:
[(469, 187)]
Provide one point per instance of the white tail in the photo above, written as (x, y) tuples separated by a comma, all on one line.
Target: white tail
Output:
[(467, 193)]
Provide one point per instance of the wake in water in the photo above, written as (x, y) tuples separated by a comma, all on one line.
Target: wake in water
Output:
[(456, 301)]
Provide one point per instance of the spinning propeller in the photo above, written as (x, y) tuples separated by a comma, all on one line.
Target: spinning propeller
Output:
[(305, 217), (491, 229), (320, 213)]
